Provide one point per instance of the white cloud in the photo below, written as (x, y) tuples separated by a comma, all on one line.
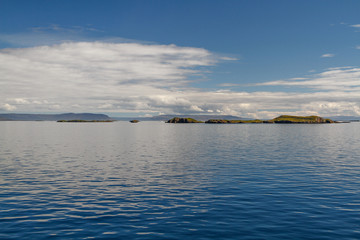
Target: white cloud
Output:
[(7, 107), (328, 55), (355, 25), (335, 79), (95, 74), (141, 78), (333, 108), (357, 47)]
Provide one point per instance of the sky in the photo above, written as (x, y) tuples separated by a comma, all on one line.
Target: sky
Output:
[(248, 58)]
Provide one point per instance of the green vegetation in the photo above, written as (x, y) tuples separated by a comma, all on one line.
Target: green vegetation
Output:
[(85, 121), (299, 119), (219, 121), (134, 121), (183, 120)]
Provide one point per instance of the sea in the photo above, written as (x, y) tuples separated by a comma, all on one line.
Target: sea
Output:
[(154, 180)]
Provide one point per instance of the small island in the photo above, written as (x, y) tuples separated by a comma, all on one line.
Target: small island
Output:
[(183, 120), (285, 119), (84, 121)]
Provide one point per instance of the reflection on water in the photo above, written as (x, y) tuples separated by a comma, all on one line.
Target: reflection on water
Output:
[(153, 180)]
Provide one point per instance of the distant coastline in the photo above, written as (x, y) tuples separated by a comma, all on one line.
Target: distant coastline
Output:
[(84, 121), (52, 117)]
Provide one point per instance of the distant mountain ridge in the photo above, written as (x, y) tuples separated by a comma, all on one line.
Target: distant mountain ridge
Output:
[(52, 117)]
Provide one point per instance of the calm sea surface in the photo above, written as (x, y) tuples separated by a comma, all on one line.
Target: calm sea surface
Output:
[(153, 180)]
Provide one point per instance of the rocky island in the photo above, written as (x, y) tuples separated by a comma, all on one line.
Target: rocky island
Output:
[(299, 119), (183, 120), (281, 119)]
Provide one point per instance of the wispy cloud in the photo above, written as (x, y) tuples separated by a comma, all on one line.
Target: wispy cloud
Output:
[(341, 79), (63, 29), (328, 55), (298, 78), (55, 34), (355, 25), (229, 58), (229, 85)]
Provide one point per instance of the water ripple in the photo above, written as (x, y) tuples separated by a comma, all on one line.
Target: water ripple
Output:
[(163, 181)]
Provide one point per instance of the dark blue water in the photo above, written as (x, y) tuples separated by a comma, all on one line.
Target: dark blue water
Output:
[(153, 180)]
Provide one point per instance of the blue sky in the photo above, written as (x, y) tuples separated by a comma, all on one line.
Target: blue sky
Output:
[(136, 58)]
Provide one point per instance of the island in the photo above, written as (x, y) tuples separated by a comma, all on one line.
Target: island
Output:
[(299, 119), (285, 119), (183, 120)]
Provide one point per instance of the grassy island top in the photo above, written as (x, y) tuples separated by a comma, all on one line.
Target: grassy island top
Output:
[(300, 119), (183, 120), (85, 121), (280, 119)]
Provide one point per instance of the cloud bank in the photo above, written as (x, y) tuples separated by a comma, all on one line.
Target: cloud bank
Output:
[(141, 78)]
